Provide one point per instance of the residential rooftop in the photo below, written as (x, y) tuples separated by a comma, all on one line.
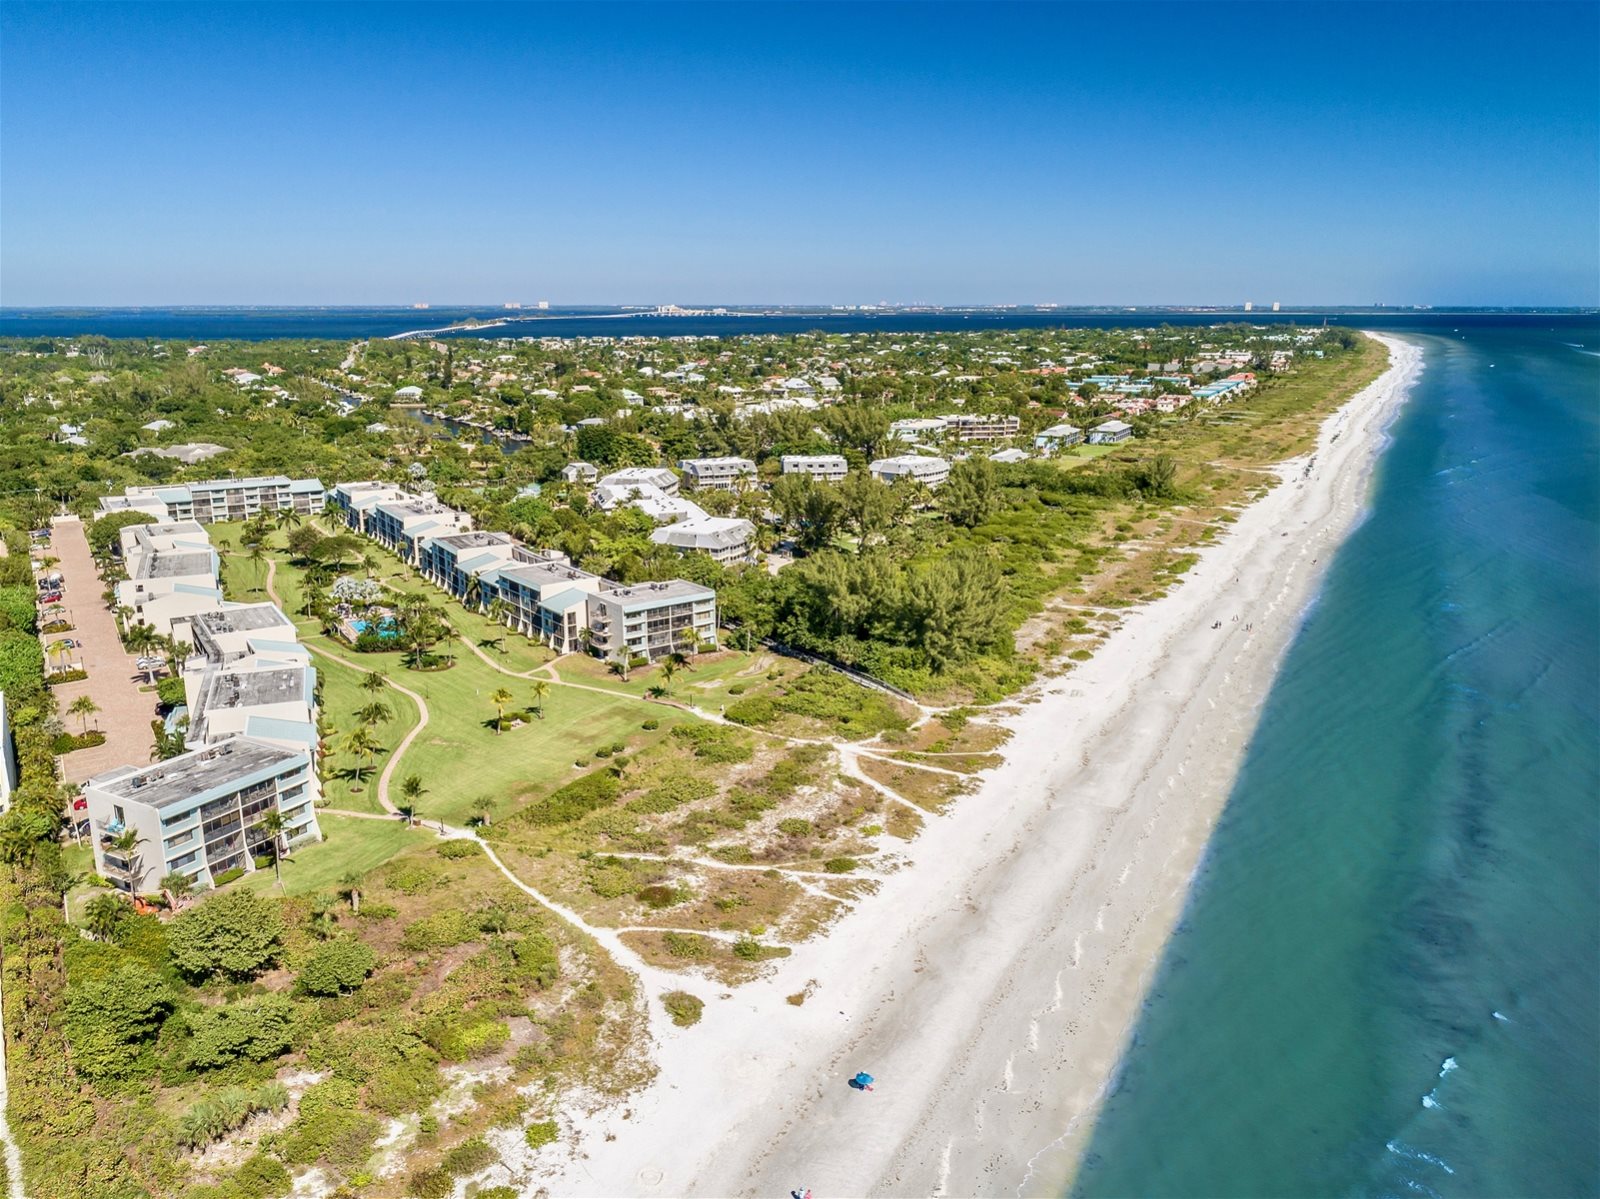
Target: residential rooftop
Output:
[(194, 773)]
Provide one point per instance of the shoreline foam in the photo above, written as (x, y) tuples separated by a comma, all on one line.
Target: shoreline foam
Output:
[(993, 986)]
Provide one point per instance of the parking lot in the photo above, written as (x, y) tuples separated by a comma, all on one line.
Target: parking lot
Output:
[(114, 682)]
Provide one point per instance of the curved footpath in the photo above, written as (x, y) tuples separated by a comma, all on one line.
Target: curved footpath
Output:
[(991, 988)]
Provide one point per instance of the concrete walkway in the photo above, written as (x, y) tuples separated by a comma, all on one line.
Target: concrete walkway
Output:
[(113, 683)]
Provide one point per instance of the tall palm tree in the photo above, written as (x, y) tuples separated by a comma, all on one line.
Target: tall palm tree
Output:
[(411, 790), (83, 707), (669, 668), (500, 699), (272, 824), (473, 596), (360, 742), (288, 518), (539, 690), (483, 806), (374, 681), (377, 712)]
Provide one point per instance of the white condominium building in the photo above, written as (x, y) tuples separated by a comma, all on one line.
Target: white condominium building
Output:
[(922, 468)]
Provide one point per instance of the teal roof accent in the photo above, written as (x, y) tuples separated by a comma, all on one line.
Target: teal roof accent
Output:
[(563, 600), (281, 730), (191, 589), (173, 495)]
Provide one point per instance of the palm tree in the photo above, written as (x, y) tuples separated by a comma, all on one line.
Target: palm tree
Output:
[(500, 699), (622, 662), (58, 649), (668, 669), (539, 690), (474, 592), (483, 806), (141, 640), (350, 887), (374, 681), (179, 886), (175, 651), (126, 846), (288, 518), (258, 555), (272, 824), (377, 712), (83, 707), (360, 742), (411, 790), (103, 914), (496, 612)]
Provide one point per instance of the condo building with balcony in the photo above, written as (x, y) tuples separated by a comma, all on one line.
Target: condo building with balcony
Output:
[(971, 427), (725, 538), (403, 525), (722, 474), (650, 476), (829, 468), (921, 468), (199, 813), (651, 620), (221, 499), (354, 501)]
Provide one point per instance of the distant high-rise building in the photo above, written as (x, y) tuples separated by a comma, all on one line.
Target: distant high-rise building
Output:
[(543, 304), (1274, 305)]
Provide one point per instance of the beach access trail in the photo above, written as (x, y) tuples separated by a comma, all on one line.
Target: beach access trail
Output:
[(993, 985)]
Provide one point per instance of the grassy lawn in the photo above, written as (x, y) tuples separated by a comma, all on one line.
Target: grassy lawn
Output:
[(351, 844), (704, 682), (459, 757), (342, 695)]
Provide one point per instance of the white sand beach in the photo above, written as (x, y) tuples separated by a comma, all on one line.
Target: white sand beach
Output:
[(992, 985)]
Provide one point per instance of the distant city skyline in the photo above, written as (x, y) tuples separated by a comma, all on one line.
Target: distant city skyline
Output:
[(1119, 154)]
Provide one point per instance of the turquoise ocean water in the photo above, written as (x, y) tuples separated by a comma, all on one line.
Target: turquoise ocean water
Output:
[(1387, 979)]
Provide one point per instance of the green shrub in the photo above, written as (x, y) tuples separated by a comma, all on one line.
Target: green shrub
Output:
[(237, 934), (461, 1036), (263, 861), (756, 711), (715, 743), (170, 692), (611, 877), (228, 876), (684, 1008), (840, 865), (18, 609), (672, 793), (405, 1086), (651, 725), (688, 945), (748, 949), (336, 967), (413, 877), (108, 1017), (794, 826), (468, 1157), (737, 689), (537, 958), (541, 1134), (254, 1030), (659, 895), (262, 1177), (459, 849), (438, 930), (433, 1182), (497, 1193), (575, 800)]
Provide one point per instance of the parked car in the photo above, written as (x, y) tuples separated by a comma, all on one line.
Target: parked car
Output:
[(50, 597)]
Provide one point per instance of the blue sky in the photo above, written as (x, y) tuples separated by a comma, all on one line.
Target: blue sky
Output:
[(827, 153)]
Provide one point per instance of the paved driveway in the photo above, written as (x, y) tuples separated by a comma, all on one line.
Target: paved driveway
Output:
[(113, 683)]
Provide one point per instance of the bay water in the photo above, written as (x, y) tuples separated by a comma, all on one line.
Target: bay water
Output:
[(1387, 978)]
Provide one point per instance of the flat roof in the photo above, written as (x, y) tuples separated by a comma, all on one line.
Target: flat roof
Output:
[(670, 589), (244, 619), (168, 564), (236, 761)]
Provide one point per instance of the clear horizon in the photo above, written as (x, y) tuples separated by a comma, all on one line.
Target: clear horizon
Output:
[(1148, 156)]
